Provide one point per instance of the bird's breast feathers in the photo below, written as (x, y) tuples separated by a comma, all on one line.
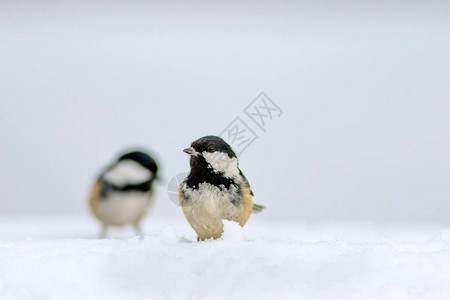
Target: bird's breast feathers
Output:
[(206, 193), (119, 208), (211, 202)]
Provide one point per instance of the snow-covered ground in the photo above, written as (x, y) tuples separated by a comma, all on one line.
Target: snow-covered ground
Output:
[(61, 259)]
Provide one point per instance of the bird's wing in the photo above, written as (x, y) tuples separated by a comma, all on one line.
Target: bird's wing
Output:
[(256, 207), (246, 182), (94, 197)]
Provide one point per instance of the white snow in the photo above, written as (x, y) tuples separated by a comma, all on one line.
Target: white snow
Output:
[(60, 259)]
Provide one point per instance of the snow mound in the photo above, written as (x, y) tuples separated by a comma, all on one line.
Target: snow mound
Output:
[(274, 261), (232, 231), (168, 235)]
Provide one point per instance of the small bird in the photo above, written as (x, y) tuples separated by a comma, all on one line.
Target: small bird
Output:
[(123, 192), (215, 189)]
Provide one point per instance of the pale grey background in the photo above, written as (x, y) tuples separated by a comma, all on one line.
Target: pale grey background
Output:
[(365, 90)]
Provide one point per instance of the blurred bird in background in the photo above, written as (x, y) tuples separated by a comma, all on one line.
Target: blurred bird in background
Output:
[(123, 192), (215, 189)]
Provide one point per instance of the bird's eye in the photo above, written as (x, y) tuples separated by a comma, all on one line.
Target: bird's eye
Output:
[(211, 149)]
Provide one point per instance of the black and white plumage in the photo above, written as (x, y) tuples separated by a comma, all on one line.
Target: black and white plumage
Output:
[(123, 192), (215, 189)]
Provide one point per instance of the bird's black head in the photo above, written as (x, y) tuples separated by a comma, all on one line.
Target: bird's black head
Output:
[(211, 144), (212, 153), (141, 158)]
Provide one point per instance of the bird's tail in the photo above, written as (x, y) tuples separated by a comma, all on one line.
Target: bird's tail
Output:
[(258, 208)]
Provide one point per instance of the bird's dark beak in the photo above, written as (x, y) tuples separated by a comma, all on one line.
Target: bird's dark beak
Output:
[(190, 151)]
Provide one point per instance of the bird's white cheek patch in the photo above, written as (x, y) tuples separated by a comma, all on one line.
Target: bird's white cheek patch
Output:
[(221, 162), (127, 172)]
